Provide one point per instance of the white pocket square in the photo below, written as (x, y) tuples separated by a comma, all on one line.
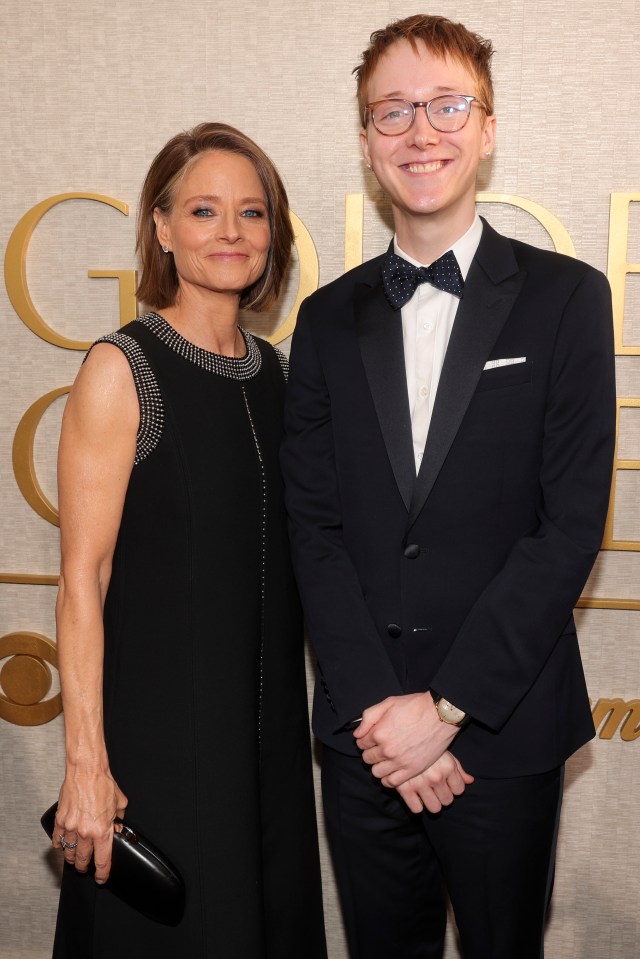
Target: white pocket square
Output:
[(511, 361)]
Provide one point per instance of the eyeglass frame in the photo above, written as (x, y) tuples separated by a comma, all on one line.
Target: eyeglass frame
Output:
[(368, 111)]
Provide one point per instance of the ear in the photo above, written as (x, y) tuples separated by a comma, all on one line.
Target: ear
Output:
[(163, 230), (364, 146), (488, 136)]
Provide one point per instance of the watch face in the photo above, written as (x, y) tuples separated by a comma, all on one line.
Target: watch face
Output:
[(450, 713)]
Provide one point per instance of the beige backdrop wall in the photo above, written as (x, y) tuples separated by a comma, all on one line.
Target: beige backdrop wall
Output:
[(89, 91)]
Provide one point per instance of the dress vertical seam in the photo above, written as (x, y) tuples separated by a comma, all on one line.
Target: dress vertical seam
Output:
[(263, 548)]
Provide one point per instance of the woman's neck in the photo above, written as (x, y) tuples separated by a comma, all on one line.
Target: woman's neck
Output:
[(208, 322)]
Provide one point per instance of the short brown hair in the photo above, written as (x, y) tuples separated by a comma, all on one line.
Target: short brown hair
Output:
[(442, 38), (158, 284)]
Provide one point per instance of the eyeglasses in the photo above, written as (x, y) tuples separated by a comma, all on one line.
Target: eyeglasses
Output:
[(447, 114)]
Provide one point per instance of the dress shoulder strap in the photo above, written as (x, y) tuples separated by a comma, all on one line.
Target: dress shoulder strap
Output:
[(284, 361), (149, 395)]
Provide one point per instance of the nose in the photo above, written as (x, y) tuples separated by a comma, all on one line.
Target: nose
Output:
[(421, 132), (228, 227)]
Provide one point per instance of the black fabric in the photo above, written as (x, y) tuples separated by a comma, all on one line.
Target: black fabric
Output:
[(462, 579), (204, 688), (494, 847), (507, 510)]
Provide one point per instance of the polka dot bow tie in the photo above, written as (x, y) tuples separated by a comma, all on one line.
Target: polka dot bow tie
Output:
[(401, 278)]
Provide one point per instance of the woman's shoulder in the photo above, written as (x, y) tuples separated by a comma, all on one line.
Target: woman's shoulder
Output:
[(119, 360), (104, 390)]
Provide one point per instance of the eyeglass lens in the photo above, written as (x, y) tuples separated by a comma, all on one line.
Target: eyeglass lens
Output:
[(446, 114)]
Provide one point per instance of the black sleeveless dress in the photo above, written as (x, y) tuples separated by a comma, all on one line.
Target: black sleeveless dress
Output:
[(204, 689)]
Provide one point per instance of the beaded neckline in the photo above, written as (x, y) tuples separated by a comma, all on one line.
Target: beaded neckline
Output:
[(234, 368)]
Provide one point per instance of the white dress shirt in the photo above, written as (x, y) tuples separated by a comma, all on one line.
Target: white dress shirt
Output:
[(427, 321)]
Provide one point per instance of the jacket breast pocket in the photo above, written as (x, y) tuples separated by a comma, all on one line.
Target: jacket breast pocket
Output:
[(503, 376)]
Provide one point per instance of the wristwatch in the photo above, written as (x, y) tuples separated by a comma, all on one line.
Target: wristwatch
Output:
[(447, 712)]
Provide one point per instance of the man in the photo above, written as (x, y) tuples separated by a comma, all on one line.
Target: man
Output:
[(448, 461)]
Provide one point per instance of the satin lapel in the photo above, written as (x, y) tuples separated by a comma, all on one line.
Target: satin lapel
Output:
[(379, 330), (481, 315)]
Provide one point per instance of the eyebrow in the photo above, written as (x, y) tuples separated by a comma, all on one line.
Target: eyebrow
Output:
[(398, 94), (205, 197)]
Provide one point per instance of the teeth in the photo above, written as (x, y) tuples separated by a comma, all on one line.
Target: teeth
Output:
[(425, 167)]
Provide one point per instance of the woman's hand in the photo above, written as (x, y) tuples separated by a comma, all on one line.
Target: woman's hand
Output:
[(88, 805)]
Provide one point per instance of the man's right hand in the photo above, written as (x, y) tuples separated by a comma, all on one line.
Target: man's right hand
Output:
[(437, 786)]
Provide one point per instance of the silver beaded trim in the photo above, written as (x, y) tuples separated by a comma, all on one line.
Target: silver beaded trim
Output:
[(233, 368), (149, 395), (284, 362), (263, 562)]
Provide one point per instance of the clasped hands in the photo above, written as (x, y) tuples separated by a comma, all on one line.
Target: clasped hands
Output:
[(407, 746)]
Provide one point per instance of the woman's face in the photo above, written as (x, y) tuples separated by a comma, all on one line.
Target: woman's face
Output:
[(218, 228)]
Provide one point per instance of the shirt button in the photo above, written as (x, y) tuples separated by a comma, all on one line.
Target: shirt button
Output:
[(427, 326), (423, 391)]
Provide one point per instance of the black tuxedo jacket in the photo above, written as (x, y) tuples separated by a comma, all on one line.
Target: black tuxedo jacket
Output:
[(464, 578)]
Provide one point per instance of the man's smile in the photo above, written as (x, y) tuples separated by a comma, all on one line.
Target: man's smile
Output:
[(432, 167)]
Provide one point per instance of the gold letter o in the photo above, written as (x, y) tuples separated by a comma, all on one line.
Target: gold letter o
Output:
[(308, 282), (23, 466)]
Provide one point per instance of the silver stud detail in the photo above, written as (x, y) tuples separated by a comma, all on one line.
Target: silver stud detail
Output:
[(149, 395), (233, 368)]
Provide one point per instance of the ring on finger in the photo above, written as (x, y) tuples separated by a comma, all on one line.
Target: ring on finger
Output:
[(65, 844)]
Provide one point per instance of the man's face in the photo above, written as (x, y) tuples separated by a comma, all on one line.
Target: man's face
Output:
[(425, 172)]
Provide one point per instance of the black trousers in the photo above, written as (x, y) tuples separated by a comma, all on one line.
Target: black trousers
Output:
[(492, 851)]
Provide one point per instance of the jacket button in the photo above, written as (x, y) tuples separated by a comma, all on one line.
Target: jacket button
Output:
[(394, 630), (412, 551)]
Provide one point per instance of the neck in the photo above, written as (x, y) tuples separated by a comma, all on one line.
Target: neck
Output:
[(427, 236), (210, 321)]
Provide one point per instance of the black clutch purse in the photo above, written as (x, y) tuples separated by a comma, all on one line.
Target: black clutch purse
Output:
[(140, 875)]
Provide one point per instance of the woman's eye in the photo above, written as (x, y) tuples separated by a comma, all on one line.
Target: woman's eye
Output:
[(203, 212), (252, 213)]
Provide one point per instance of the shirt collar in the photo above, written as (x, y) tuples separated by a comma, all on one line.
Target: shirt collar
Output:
[(464, 248)]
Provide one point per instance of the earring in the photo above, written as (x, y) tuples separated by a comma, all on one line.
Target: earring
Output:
[(368, 166), (165, 248), (488, 153)]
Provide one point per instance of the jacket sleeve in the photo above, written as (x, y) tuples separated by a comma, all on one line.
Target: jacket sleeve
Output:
[(514, 625), (354, 667)]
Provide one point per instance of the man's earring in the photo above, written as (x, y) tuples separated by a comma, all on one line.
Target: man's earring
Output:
[(165, 248)]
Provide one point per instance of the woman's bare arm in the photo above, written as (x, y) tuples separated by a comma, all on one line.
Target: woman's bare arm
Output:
[(97, 449)]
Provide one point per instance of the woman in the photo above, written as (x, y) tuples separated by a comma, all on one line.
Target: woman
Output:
[(179, 629)]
